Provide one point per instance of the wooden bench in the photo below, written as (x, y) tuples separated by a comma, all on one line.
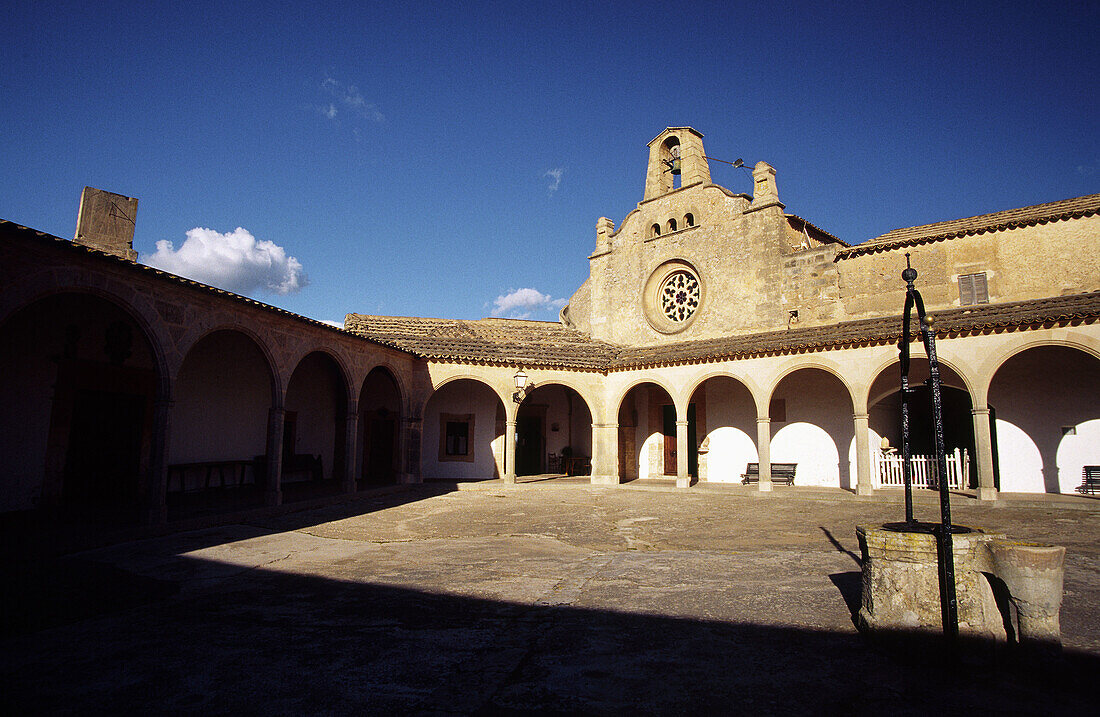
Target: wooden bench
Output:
[(1090, 480), (781, 473)]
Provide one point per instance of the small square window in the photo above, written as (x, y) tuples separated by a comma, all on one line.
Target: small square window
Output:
[(777, 410), (973, 289), (456, 433)]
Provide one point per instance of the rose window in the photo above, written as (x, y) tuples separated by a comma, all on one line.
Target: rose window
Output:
[(679, 296)]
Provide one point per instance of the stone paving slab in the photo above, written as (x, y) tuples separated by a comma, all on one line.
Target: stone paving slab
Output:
[(547, 598)]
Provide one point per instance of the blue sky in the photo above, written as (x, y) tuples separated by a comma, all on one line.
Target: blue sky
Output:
[(426, 159)]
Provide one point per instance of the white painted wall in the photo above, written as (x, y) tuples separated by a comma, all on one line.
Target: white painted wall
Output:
[(819, 419), (813, 449), (460, 397), (731, 431), (1077, 451), (1036, 395)]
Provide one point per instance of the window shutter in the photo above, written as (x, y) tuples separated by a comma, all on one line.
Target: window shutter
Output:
[(966, 289), (973, 289), (981, 290)]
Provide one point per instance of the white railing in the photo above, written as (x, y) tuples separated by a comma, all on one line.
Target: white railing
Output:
[(888, 473)]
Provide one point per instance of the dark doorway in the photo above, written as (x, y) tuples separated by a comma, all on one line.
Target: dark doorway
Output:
[(378, 461), (529, 444), (103, 458), (668, 428)]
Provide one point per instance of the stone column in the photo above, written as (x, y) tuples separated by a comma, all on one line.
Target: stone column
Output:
[(510, 450), (683, 480), (273, 493), (983, 449), (764, 453), (864, 483), (155, 508), (605, 454), (351, 450), (409, 448)]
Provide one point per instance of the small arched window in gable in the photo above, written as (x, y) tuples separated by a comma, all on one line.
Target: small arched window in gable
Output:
[(672, 225), (655, 230), (689, 220)]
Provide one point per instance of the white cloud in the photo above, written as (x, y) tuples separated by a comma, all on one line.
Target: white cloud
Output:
[(521, 303), (349, 97), (234, 261), (555, 178), (330, 322)]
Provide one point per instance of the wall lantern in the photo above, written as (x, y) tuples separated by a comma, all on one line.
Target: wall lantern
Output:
[(521, 386)]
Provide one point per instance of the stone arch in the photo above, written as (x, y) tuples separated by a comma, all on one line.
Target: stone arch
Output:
[(381, 409), (314, 428), (85, 374), (647, 444), (1038, 396), (829, 368), (338, 360), (224, 392), (463, 431), (725, 414), (884, 412), (963, 379), (278, 385), (811, 409), (553, 433), (23, 294)]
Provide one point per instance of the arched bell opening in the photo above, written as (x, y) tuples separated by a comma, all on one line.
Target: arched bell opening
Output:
[(78, 378)]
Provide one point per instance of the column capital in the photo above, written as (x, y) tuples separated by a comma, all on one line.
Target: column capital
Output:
[(681, 423), (859, 416), (979, 411), (765, 419), (510, 422), (605, 425)]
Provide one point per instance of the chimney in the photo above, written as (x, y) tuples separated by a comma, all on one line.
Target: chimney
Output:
[(106, 222)]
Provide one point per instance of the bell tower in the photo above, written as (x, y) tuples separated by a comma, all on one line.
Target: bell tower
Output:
[(676, 160)]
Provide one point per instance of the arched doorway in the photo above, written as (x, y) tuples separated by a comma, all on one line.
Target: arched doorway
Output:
[(1040, 399), (811, 417), (464, 423), (379, 426), (78, 378), (726, 417), (314, 432), (884, 422), (553, 432), (647, 434), (222, 402)]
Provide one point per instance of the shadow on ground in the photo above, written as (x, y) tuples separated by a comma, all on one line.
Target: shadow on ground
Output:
[(291, 644)]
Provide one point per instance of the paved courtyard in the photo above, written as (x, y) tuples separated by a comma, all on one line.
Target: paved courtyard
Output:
[(550, 597)]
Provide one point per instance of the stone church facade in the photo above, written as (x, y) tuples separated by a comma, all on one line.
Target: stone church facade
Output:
[(716, 330)]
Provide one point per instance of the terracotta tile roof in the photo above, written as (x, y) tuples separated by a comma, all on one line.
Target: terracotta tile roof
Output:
[(819, 229), (494, 341), (953, 322), (1009, 219), (11, 229)]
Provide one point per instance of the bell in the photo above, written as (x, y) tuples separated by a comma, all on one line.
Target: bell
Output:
[(674, 167)]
